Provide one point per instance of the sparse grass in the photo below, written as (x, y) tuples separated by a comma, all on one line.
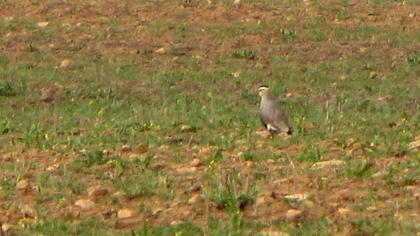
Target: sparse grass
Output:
[(347, 80)]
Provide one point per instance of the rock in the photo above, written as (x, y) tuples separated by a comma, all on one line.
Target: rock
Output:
[(125, 213), (84, 204), (296, 197), (97, 191), (293, 214), (249, 164), (371, 208), (175, 222), (6, 229), (160, 51), (415, 144), (237, 2), (187, 128), (42, 24), (125, 148), (23, 184), (343, 211), (118, 194), (157, 211), (379, 174), (328, 164), (196, 198), (373, 75), (195, 162), (66, 63), (53, 167), (27, 211)]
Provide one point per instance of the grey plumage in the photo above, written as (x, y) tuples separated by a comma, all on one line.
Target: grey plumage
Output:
[(271, 114)]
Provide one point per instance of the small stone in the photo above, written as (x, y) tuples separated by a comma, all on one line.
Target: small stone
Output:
[(22, 185), (84, 203), (42, 24), (236, 2), (160, 51), (293, 214), (196, 198), (236, 74), (125, 213), (296, 197), (379, 174), (66, 63), (6, 228), (371, 208), (186, 128), (373, 75), (118, 194), (249, 164), (83, 151), (126, 148), (343, 211), (175, 222), (195, 162), (415, 144), (53, 167), (328, 164), (157, 211), (97, 191)]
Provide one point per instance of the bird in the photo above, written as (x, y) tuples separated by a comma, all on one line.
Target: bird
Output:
[(271, 114)]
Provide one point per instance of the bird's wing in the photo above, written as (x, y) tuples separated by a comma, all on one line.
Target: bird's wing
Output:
[(278, 119), (267, 120)]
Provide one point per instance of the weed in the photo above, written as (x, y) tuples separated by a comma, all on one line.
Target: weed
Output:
[(358, 169), (145, 183), (228, 194), (7, 89), (414, 58), (245, 54), (311, 154)]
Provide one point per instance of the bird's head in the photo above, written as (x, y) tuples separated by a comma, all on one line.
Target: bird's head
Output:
[(263, 91)]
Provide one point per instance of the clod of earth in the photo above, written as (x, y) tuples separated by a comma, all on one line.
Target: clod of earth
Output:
[(23, 184), (328, 164), (66, 63), (125, 213), (84, 204), (296, 197)]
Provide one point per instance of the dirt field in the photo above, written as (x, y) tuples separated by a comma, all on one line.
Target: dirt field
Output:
[(140, 118)]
